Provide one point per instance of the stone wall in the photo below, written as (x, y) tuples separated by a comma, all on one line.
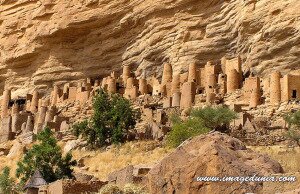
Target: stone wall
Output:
[(73, 187)]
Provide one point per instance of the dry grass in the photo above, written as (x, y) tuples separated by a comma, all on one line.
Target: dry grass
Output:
[(127, 189), (101, 163), (288, 157)]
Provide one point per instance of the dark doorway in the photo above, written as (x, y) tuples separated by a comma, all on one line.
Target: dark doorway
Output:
[(294, 94)]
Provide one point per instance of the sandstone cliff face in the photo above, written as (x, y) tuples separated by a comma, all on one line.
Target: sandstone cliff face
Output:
[(46, 41)]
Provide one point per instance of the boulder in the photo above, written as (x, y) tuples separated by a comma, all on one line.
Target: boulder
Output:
[(26, 137), (297, 191), (81, 177), (15, 150), (73, 144), (288, 187), (215, 154), (129, 175)]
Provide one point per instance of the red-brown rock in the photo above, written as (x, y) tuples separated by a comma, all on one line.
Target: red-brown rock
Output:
[(214, 154)]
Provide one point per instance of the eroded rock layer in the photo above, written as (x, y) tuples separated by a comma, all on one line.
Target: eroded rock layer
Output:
[(48, 41)]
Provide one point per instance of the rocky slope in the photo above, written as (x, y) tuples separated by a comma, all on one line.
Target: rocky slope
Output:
[(46, 41), (214, 154)]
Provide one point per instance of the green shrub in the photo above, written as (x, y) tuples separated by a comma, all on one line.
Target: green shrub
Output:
[(46, 156), (84, 128), (293, 119), (7, 184), (293, 133), (80, 127), (112, 119), (199, 122), (183, 130), (214, 118)]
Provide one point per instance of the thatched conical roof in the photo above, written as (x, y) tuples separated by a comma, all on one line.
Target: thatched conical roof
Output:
[(35, 181)]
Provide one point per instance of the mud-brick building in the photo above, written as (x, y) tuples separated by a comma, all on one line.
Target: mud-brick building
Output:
[(290, 87), (284, 88)]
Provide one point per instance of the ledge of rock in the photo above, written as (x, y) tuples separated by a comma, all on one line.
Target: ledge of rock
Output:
[(214, 154), (42, 42)]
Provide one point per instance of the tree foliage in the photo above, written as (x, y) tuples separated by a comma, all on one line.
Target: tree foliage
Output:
[(113, 117), (7, 184), (46, 156), (183, 130), (293, 120), (200, 121), (214, 118)]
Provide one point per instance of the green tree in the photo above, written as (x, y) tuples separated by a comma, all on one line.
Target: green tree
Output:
[(46, 156), (214, 118), (113, 117), (84, 128), (7, 184), (123, 117), (100, 127), (293, 120), (80, 127)]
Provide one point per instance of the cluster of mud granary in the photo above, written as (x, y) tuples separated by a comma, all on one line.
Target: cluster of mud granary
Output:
[(210, 84)]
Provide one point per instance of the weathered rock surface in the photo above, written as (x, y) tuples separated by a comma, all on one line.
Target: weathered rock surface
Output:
[(215, 154), (297, 191), (129, 175), (283, 187), (48, 41)]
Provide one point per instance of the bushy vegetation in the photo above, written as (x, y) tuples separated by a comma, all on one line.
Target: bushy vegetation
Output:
[(81, 128), (45, 156), (293, 119), (214, 118), (112, 119), (7, 184), (200, 121), (183, 130), (293, 133)]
